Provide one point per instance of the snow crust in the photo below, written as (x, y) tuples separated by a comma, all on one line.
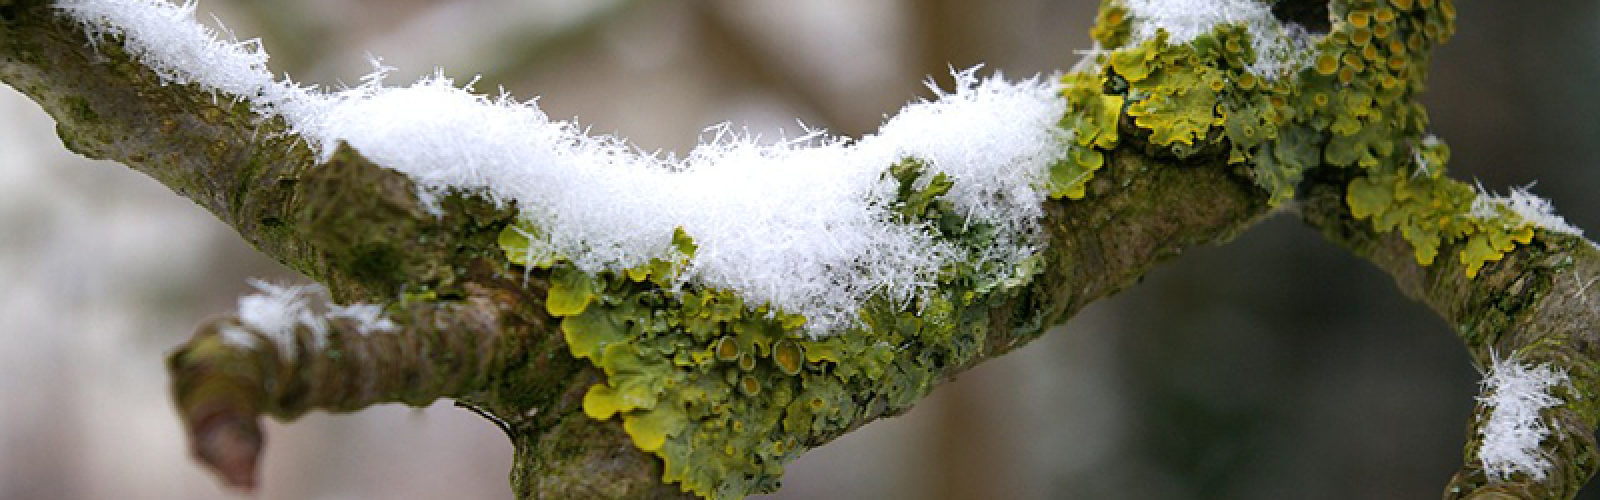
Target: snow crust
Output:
[(802, 224), (1515, 393), (1280, 48)]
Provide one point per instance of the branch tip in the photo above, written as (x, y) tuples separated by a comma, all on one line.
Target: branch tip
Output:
[(230, 445)]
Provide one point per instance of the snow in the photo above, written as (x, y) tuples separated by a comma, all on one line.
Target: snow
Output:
[(1515, 393), (277, 312), (1524, 204), (166, 38), (802, 224), (1280, 48), (239, 337), (368, 318)]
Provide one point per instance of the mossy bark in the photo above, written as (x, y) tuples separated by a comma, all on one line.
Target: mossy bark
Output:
[(1538, 302), (474, 328)]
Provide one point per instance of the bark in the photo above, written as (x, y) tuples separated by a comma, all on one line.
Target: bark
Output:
[(1535, 302), (473, 327)]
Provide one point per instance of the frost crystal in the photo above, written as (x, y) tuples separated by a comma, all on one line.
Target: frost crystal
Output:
[(1280, 48), (1526, 205), (804, 225), (1514, 394), (238, 337), (367, 317), (278, 311)]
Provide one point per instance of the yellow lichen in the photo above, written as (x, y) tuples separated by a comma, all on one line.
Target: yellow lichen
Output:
[(1354, 106), (1361, 37), (1383, 15), (586, 334), (569, 293), (1327, 64), (600, 402), (1354, 61), (1359, 18), (788, 356), (1092, 121), (725, 392), (650, 429), (727, 349)]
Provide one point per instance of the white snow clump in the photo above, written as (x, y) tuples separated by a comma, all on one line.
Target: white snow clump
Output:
[(1526, 205), (1281, 48), (277, 311), (1515, 393)]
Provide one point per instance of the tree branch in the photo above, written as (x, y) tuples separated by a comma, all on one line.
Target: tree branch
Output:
[(479, 328), (1534, 304), (359, 229), (348, 223), (229, 374)]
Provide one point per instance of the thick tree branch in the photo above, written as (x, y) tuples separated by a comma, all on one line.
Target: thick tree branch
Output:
[(207, 147), (355, 226)]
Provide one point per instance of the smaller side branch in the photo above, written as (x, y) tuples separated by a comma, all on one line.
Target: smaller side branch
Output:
[(1531, 306), (229, 375)]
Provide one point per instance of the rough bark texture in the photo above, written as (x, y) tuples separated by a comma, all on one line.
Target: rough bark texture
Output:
[(476, 330)]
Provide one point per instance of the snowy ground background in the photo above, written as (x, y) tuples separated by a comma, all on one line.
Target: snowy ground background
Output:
[(1273, 367)]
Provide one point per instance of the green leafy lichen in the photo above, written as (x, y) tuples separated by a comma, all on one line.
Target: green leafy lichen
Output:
[(1372, 68), (1173, 94), (1092, 121), (1352, 108), (727, 392)]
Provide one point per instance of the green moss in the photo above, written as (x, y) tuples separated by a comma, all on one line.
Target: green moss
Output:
[(81, 111), (376, 262), (727, 392)]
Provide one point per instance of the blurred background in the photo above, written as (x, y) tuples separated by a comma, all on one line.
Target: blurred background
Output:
[(1276, 366)]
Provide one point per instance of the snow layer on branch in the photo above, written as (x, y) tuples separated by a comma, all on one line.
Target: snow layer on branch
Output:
[(166, 38), (802, 224), (1515, 392), (1526, 205), (1280, 48), (805, 224)]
